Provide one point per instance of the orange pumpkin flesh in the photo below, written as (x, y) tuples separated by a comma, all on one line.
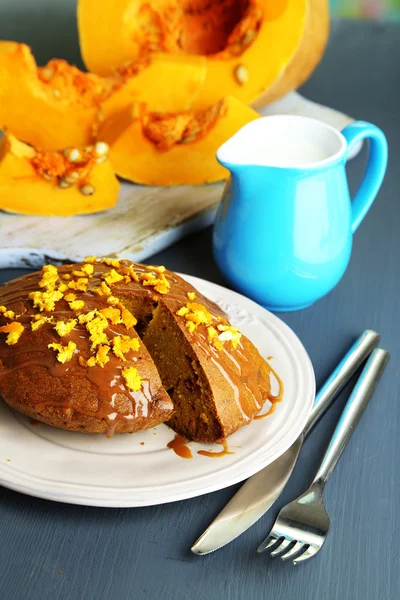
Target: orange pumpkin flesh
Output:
[(162, 82), (50, 107), (248, 44), (175, 149), (35, 182)]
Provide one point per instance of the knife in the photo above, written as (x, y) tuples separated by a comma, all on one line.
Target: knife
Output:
[(261, 490)]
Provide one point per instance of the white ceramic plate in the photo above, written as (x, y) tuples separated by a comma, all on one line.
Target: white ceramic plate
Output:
[(139, 469)]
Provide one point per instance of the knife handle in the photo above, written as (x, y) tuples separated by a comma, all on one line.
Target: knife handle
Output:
[(349, 364), (356, 405)]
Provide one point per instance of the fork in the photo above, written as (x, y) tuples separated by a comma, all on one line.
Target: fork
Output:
[(302, 525)]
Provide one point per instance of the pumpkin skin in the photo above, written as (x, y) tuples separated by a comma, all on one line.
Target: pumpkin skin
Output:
[(47, 113), (136, 158), (283, 45), (24, 191)]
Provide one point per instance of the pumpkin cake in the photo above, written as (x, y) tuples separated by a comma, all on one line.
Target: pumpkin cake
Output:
[(110, 346)]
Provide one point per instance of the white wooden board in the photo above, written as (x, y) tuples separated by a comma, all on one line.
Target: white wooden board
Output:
[(145, 220)]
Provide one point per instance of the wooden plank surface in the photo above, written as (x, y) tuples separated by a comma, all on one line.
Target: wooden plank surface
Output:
[(51, 551)]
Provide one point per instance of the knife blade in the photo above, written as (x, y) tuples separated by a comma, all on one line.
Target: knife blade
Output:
[(260, 491)]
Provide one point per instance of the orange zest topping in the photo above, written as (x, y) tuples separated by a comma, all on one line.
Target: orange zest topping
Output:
[(2, 309), (228, 333), (130, 272), (80, 284), (88, 270), (101, 357), (213, 338), (122, 344), (127, 318), (112, 300), (64, 353), (156, 278), (132, 379), (49, 278), (9, 314), (45, 300), (111, 262), (112, 314), (76, 304), (103, 290), (191, 296), (64, 328), (112, 277), (195, 315), (70, 297), (90, 259), (96, 328), (89, 316), (39, 320), (14, 330)]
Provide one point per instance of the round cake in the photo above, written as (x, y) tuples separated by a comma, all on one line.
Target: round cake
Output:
[(110, 346)]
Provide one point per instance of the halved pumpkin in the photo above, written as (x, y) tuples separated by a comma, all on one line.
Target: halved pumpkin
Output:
[(249, 44), (71, 182), (161, 82), (174, 148), (49, 107)]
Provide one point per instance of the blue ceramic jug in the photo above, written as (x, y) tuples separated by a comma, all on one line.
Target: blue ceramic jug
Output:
[(283, 231)]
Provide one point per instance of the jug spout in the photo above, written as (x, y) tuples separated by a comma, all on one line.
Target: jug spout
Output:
[(241, 150)]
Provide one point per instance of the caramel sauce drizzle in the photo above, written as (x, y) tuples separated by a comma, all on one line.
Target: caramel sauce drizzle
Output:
[(223, 452), (273, 399), (179, 446)]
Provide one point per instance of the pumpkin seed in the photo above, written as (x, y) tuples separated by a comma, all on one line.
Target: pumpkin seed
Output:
[(249, 37), (73, 155), (241, 74), (63, 184), (47, 176), (190, 138), (56, 93), (101, 149), (87, 189), (71, 177)]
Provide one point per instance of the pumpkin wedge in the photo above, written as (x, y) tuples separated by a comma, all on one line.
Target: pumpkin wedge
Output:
[(174, 148), (49, 107), (74, 181), (249, 44), (161, 82)]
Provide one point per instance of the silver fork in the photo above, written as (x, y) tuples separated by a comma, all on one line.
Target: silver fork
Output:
[(302, 525)]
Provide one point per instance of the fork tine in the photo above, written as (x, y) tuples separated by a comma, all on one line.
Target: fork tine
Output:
[(311, 551), (281, 548), (295, 550), (269, 541)]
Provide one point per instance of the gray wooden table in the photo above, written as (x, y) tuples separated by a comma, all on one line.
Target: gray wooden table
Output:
[(51, 551)]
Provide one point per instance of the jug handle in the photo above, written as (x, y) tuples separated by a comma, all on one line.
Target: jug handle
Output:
[(375, 170)]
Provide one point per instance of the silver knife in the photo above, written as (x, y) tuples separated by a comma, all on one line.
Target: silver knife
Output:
[(261, 490)]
